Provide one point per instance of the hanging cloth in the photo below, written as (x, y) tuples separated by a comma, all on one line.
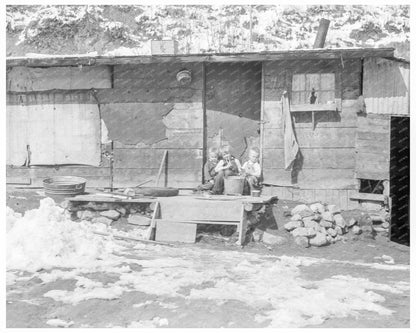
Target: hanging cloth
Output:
[(290, 144)]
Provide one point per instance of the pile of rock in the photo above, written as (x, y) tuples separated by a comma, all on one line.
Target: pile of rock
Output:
[(135, 213), (319, 225)]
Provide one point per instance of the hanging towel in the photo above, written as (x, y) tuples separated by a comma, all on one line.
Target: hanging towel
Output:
[(291, 145)]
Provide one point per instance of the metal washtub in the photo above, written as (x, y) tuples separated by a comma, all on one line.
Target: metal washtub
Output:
[(64, 186)]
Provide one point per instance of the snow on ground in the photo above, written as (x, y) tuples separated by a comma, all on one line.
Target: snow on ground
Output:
[(46, 238)]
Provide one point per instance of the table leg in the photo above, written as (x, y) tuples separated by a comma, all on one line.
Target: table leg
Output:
[(242, 227)]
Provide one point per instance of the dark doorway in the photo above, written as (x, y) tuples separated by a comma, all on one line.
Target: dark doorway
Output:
[(400, 179), (233, 104)]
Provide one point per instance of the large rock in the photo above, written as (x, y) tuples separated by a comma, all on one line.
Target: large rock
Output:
[(332, 232), (339, 221), (271, 239), (380, 229), (122, 210), (317, 208), (302, 241), (368, 231), (138, 220), (385, 225), (326, 224), (111, 214), (296, 217), (318, 240), (86, 215), (304, 232), (102, 219), (258, 235), (302, 210), (327, 216), (322, 229), (351, 222), (293, 225), (309, 223), (339, 230), (356, 230), (317, 217), (333, 209), (365, 219), (330, 239)]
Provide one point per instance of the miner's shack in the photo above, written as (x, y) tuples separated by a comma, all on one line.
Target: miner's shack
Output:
[(110, 119)]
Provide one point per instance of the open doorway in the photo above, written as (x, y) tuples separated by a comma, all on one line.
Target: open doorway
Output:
[(400, 179), (233, 106)]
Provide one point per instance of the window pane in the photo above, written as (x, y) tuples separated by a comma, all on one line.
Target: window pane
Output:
[(326, 96), (328, 81), (312, 81), (298, 82)]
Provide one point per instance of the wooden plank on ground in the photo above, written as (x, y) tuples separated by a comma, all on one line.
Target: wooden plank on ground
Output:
[(171, 231)]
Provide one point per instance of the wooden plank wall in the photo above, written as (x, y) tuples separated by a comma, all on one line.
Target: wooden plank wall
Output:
[(328, 148), (147, 111), (76, 129), (373, 147), (386, 85)]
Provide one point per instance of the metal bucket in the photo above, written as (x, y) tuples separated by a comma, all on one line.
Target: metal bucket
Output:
[(234, 185), (58, 188)]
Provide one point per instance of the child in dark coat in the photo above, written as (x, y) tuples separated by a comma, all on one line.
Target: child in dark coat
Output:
[(227, 166), (209, 170)]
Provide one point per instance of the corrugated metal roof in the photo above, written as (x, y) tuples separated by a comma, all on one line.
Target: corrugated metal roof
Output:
[(88, 60)]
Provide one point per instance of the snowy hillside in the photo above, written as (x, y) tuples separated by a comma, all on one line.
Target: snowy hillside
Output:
[(127, 29)]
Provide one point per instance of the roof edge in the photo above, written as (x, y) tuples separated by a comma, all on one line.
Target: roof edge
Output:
[(89, 60)]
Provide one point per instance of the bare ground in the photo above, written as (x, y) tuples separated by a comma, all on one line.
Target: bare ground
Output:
[(27, 307)]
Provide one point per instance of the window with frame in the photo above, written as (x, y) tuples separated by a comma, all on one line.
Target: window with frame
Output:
[(317, 88)]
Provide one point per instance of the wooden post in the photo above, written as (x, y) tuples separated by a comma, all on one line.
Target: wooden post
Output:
[(161, 167), (242, 227), (204, 121), (112, 166), (321, 34), (150, 234)]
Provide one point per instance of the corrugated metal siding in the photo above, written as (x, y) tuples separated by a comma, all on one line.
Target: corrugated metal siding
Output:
[(386, 86)]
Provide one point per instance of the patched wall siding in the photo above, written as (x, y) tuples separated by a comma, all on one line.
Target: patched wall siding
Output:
[(147, 112)]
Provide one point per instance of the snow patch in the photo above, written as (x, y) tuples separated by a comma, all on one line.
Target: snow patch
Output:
[(46, 237), (59, 323)]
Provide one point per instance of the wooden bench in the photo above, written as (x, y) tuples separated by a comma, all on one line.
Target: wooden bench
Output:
[(220, 210)]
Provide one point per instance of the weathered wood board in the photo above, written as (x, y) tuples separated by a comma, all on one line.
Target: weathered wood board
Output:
[(313, 158), (373, 147), (142, 158), (324, 137), (311, 178), (170, 231), (26, 79)]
